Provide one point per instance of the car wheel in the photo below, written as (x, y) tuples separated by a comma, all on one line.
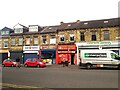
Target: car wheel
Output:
[(12, 65), (88, 66), (119, 67), (26, 65), (38, 65)]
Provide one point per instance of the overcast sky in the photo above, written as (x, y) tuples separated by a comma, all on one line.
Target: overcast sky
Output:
[(52, 12)]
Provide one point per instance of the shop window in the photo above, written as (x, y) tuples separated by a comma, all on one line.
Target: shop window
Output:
[(36, 40), (52, 39), (61, 38), (93, 37), (71, 37), (82, 36), (5, 43), (48, 55), (13, 41), (44, 39), (28, 41), (106, 35), (20, 42)]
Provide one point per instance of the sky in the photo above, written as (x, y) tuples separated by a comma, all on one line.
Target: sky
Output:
[(52, 12)]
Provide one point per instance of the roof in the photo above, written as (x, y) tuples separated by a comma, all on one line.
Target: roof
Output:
[(21, 25), (6, 29), (50, 29), (90, 24)]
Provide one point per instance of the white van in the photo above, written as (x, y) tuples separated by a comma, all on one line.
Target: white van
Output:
[(99, 58)]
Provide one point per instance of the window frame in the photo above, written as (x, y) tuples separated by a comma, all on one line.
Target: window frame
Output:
[(82, 36)]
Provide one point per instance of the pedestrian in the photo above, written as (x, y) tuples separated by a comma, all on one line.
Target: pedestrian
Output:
[(18, 62), (63, 62)]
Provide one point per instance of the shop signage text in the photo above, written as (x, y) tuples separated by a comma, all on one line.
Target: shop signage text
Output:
[(30, 48), (66, 47), (66, 51), (100, 43)]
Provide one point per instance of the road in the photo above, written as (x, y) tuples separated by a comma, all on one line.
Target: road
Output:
[(60, 77)]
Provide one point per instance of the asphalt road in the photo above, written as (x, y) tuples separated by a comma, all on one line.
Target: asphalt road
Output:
[(60, 77)]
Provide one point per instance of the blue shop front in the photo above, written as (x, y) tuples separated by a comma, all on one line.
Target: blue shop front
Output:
[(48, 54), (30, 52)]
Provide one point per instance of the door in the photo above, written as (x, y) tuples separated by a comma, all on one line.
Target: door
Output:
[(72, 59)]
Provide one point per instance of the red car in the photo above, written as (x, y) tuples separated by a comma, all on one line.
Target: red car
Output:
[(33, 62), (9, 62)]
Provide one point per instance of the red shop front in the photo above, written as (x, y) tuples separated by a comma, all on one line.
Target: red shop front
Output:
[(66, 51)]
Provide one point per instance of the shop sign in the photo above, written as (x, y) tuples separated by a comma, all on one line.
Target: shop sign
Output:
[(66, 47), (4, 51), (99, 43), (30, 48), (66, 51), (48, 47)]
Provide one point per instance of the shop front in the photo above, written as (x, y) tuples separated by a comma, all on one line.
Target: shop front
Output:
[(98, 45), (3, 55), (30, 52), (66, 52), (15, 54), (48, 54)]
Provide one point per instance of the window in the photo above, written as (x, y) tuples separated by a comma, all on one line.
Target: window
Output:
[(4, 32), (71, 37), (61, 38), (28, 41), (19, 30), (13, 41), (44, 39), (5, 43), (20, 42), (106, 35), (33, 28), (52, 39), (82, 36), (0, 42), (114, 56), (93, 38), (36, 40)]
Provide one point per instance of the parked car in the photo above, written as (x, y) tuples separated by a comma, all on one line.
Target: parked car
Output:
[(34, 62), (9, 63)]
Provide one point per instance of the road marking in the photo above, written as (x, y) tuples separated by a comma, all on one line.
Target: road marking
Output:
[(16, 86)]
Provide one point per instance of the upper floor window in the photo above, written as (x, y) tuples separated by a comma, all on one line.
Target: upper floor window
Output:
[(52, 39), (33, 28), (93, 37), (0, 43), (20, 41), (61, 38), (82, 36), (19, 30), (5, 43), (4, 32), (71, 37), (36, 40), (13, 41), (44, 39), (106, 35), (28, 41)]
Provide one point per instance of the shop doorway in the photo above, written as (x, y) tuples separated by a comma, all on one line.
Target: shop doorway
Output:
[(72, 59)]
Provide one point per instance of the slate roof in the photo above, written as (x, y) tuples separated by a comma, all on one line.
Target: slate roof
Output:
[(50, 29), (90, 24), (6, 29)]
